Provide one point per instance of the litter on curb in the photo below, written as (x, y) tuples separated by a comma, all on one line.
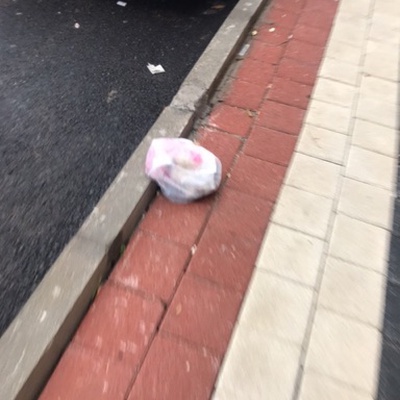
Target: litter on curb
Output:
[(243, 51), (184, 171)]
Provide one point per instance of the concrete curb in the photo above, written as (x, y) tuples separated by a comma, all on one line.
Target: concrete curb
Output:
[(34, 341)]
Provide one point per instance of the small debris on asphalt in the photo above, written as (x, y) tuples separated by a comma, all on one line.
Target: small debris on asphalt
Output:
[(254, 33), (214, 9), (112, 95), (218, 7), (243, 50), (122, 3), (76, 26), (155, 69)]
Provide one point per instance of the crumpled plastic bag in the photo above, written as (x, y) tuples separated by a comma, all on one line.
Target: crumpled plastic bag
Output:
[(184, 171)]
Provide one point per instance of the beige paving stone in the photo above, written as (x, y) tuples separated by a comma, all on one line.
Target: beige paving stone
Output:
[(355, 8), (322, 143), (277, 307), (353, 291), (350, 28), (378, 111), (360, 243), (313, 175), (303, 211), (378, 88), (387, 7), (375, 137), (385, 28), (334, 92), (329, 116), (258, 367), (338, 70), (344, 52), (371, 167), (366, 202), (344, 349), (320, 387), (291, 254), (382, 60)]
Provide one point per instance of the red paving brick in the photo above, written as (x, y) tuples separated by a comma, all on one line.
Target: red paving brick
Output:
[(174, 370), (240, 214), (203, 314), (245, 94), (257, 177), (311, 35), (230, 119), (270, 145), (265, 53), (297, 71), (151, 264), (280, 117), (280, 17), (323, 6), (119, 324), (304, 52), (290, 92), (256, 72), (225, 260), (223, 145), (82, 374), (181, 223), (273, 35), (290, 5), (317, 19)]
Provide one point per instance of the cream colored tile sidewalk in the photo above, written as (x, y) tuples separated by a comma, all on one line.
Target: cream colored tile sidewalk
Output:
[(310, 326)]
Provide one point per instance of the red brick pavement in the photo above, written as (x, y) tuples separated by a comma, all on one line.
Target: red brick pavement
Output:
[(160, 325)]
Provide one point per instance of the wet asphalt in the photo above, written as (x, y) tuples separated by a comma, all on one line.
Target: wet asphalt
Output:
[(76, 99)]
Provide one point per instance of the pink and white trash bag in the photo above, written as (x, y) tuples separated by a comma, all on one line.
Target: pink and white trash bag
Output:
[(184, 171)]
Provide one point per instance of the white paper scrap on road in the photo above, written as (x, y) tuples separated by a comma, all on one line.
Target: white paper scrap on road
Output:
[(77, 26), (155, 69), (121, 3)]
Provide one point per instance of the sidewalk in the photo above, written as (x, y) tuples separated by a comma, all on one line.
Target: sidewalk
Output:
[(306, 127)]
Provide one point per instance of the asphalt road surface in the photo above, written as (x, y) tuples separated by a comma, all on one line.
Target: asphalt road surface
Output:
[(76, 98)]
